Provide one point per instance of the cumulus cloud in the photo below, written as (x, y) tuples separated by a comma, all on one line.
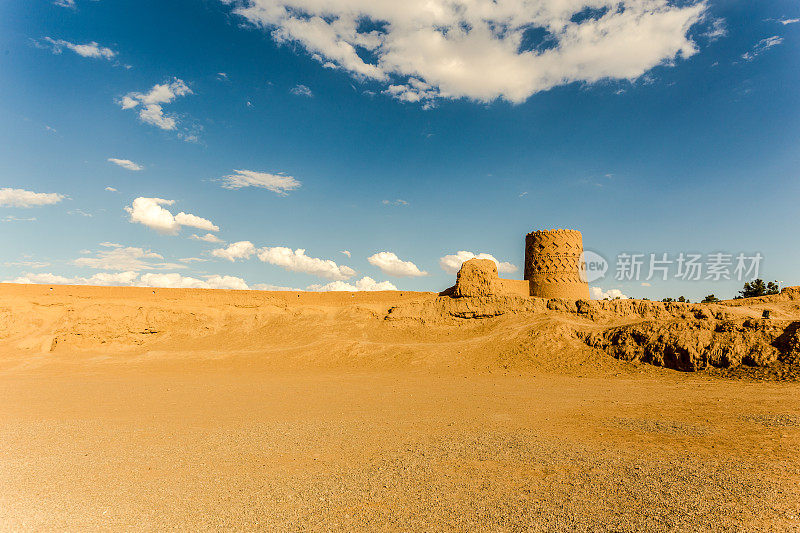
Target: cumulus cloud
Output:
[(173, 280), (610, 294), (22, 198), (392, 265), (482, 49), (762, 46), (149, 212), (91, 50), (152, 279), (277, 183), (150, 103), (452, 263), (126, 164), (236, 250), (364, 284), (298, 261), (301, 90), (127, 258), (208, 237)]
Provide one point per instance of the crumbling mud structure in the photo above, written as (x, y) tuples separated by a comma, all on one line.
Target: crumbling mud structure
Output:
[(554, 264)]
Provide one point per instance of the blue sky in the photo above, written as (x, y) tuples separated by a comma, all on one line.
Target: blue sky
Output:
[(398, 135)]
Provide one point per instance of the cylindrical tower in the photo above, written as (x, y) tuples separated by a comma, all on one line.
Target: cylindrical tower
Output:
[(554, 264)]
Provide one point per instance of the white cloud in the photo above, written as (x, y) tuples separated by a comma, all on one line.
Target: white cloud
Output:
[(12, 218), (125, 258), (477, 49), (149, 212), (126, 164), (22, 198), (786, 22), (208, 237), (151, 111), (277, 183), (171, 280), (27, 263), (64, 3), (762, 46), (718, 30), (452, 263), (364, 284), (399, 202), (346, 252), (301, 90), (194, 221), (298, 261), (392, 265), (91, 50), (111, 189), (611, 294), (270, 287), (236, 250)]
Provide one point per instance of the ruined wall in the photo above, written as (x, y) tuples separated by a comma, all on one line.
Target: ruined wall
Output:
[(478, 278), (553, 264)]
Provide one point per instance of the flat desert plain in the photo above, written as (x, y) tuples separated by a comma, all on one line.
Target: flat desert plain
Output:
[(149, 409)]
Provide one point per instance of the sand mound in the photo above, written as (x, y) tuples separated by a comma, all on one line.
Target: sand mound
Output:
[(40, 324)]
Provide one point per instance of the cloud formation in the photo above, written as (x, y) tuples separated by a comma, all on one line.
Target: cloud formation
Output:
[(236, 250), (298, 261), (483, 50), (208, 237), (398, 202), (90, 50), (126, 164), (301, 90), (150, 103), (279, 183), (152, 279), (452, 263), (149, 212), (610, 294), (364, 284), (392, 265), (127, 258), (762, 46), (22, 198)]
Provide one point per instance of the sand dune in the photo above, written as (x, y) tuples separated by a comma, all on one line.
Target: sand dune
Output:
[(144, 408)]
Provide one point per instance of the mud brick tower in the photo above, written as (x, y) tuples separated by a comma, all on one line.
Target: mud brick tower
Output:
[(554, 264)]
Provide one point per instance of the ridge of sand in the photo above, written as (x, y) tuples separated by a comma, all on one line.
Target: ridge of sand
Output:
[(129, 408)]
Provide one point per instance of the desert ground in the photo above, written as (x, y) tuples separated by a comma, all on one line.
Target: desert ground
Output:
[(148, 409)]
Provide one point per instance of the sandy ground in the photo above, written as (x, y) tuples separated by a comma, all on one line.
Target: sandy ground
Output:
[(123, 438)]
